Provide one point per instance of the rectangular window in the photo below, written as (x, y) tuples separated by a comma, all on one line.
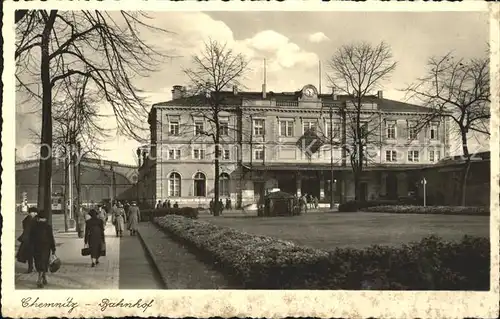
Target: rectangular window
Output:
[(199, 154), (174, 128), (174, 187), (224, 128), (308, 125), (258, 127), (413, 156), (391, 156), (434, 132), (226, 155), (286, 128), (198, 128), (412, 131), (335, 130), (431, 156), (391, 130), (174, 154), (438, 155), (258, 154)]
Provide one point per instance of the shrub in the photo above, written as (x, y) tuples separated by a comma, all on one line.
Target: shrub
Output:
[(442, 210), (260, 262), (149, 214), (354, 206)]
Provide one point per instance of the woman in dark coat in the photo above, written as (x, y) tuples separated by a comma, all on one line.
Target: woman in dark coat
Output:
[(25, 253), (42, 239), (94, 236)]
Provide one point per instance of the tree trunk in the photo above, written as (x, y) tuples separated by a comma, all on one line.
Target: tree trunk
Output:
[(65, 195), (45, 168), (79, 218), (217, 207), (465, 170)]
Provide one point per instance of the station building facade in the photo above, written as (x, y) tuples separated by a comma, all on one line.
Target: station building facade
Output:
[(100, 180), (262, 147)]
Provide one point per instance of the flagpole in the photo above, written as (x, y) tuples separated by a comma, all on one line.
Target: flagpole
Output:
[(319, 74)]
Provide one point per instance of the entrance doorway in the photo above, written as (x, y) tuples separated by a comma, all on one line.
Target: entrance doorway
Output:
[(200, 185), (310, 186), (392, 186)]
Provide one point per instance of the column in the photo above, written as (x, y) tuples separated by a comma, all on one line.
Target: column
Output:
[(321, 189), (383, 184), (298, 184)]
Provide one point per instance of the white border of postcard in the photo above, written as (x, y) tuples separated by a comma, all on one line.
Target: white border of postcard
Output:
[(206, 303)]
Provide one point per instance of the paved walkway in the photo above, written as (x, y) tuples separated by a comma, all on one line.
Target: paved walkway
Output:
[(136, 267), (75, 272), (178, 266)]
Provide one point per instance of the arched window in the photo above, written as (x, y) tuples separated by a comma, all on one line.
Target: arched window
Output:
[(174, 185), (200, 185), (224, 184)]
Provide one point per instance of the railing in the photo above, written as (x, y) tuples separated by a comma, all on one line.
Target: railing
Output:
[(287, 103)]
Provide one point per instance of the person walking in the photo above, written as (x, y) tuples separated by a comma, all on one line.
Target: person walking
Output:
[(42, 239), (126, 207), (94, 237), (211, 206), (303, 203), (101, 213), (25, 252), (119, 219), (159, 205), (134, 217)]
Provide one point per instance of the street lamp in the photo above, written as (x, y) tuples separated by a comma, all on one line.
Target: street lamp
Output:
[(424, 183)]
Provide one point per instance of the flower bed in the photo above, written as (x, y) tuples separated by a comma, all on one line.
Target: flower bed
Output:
[(261, 262), (442, 210), (149, 214)]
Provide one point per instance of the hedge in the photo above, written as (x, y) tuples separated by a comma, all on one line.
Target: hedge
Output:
[(260, 262), (354, 206), (149, 214), (432, 210)]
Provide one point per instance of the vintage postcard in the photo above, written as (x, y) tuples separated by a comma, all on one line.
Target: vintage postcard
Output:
[(250, 159)]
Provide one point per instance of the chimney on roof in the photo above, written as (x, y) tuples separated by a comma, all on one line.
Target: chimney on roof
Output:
[(235, 89), (380, 94), (178, 92), (264, 91), (334, 96)]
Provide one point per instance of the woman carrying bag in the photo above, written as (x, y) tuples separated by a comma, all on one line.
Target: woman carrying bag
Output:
[(95, 244)]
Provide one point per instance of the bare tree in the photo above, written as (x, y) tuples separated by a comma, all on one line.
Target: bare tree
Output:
[(216, 69), (105, 47), (459, 89), (357, 70), (78, 134)]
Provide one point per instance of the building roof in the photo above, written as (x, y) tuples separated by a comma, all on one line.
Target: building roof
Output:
[(229, 98), (84, 160), (89, 176), (326, 166)]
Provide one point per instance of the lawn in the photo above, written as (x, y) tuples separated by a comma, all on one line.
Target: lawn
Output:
[(357, 230)]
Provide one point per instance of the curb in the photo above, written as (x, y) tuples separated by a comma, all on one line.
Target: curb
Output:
[(153, 258)]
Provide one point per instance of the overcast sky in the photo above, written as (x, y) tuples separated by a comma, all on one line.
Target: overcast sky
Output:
[(293, 43)]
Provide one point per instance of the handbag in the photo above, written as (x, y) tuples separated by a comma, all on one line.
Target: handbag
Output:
[(54, 263), (86, 251)]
